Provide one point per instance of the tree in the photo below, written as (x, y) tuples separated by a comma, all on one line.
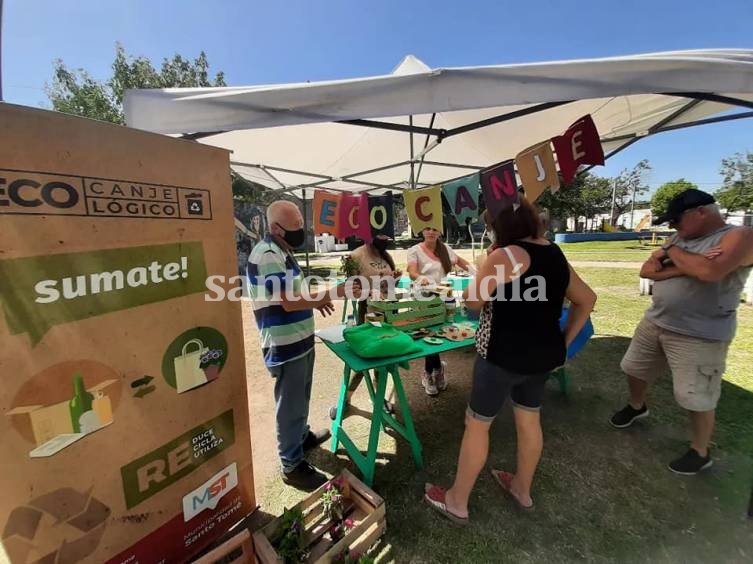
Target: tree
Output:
[(628, 185), (77, 92), (586, 196), (666, 192), (737, 191)]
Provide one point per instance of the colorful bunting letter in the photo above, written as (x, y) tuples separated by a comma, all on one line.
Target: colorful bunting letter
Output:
[(462, 195), (381, 217), (499, 187), (579, 145), (537, 170), (326, 215), (354, 216), (424, 208)]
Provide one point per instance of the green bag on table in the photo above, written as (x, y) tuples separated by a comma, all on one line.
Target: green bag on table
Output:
[(379, 341)]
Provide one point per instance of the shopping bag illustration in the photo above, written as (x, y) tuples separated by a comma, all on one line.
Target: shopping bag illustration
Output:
[(188, 372)]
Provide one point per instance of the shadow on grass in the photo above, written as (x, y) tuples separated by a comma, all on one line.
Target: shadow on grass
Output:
[(601, 494)]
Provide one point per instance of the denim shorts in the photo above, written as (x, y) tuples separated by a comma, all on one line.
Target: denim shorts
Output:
[(492, 385)]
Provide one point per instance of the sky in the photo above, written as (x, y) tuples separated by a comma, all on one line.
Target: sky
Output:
[(269, 42)]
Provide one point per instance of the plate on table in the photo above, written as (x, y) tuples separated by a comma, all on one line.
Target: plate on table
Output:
[(433, 340)]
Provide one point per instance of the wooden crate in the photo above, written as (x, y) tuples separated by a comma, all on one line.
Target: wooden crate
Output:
[(362, 505), (411, 314)]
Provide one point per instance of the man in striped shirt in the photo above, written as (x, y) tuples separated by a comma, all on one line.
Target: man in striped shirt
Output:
[(286, 325)]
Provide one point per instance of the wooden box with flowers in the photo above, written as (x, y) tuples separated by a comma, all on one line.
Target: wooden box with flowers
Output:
[(337, 523)]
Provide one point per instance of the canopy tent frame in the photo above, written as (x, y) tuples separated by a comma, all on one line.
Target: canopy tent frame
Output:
[(665, 125)]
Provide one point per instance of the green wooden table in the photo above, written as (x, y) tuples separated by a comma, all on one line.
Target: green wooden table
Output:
[(458, 283), (383, 369)]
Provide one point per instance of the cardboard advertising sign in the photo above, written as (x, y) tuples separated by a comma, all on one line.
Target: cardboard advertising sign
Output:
[(124, 417)]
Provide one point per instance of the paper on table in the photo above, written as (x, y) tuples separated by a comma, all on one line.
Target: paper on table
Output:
[(332, 334)]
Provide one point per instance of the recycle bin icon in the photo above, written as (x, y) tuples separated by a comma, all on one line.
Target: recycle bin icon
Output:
[(195, 204)]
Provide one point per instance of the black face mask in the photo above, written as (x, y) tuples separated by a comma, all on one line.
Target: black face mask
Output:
[(295, 238), (380, 244)]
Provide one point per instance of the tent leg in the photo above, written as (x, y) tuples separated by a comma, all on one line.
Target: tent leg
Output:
[(412, 164), (306, 230)]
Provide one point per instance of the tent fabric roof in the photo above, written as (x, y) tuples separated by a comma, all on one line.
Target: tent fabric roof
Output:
[(291, 127)]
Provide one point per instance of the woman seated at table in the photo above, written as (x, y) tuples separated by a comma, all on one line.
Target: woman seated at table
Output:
[(374, 262), (428, 263), (520, 290)]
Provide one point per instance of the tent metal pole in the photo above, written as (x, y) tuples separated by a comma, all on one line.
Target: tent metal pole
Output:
[(412, 164), (651, 131), (454, 165), (278, 169), (667, 128), (371, 170), (273, 177), (306, 230), (426, 149), (504, 117), (709, 97), (394, 126)]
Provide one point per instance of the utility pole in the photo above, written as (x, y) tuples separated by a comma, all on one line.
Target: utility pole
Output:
[(632, 207), (612, 220)]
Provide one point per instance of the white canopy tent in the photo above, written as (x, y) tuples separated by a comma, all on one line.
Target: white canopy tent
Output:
[(420, 126)]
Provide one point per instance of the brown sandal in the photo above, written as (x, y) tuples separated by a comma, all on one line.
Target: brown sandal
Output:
[(435, 496), (504, 479)]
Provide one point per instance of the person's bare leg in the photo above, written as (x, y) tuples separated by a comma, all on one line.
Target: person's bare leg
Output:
[(530, 445), (638, 391), (473, 452), (702, 424)]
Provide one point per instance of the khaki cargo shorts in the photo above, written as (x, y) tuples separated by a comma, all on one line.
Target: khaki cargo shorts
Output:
[(697, 365)]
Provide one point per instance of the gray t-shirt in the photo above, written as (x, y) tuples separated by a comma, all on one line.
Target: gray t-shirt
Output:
[(706, 310)]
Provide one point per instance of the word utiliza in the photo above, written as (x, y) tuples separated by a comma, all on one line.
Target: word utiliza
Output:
[(69, 288)]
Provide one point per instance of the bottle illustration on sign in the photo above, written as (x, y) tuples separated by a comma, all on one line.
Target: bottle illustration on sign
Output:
[(59, 425), (81, 406)]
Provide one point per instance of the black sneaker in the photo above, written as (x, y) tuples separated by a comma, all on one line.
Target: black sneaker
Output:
[(627, 415), (313, 439), (691, 463), (304, 477)]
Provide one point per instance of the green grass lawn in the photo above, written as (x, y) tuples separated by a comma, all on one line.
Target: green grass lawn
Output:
[(601, 494), (609, 251)]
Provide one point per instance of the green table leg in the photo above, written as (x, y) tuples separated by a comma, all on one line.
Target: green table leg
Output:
[(376, 425), (370, 387), (410, 431), (342, 405)]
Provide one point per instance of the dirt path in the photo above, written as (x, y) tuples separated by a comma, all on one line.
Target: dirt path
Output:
[(401, 256)]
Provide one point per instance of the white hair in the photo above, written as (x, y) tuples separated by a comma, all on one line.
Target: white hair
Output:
[(276, 208)]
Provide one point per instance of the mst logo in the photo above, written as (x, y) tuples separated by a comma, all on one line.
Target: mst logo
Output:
[(209, 494)]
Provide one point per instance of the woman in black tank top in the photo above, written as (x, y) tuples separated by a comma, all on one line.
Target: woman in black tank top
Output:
[(520, 291)]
